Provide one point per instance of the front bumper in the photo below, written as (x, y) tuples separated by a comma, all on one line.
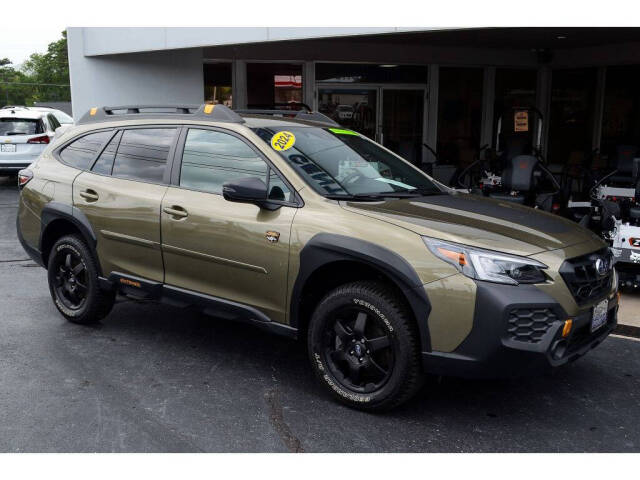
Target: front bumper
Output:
[(517, 331)]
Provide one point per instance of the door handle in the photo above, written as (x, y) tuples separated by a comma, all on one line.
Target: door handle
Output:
[(89, 195), (176, 211)]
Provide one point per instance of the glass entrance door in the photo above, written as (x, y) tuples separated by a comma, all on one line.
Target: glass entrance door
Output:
[(390, 115), (355, 108)]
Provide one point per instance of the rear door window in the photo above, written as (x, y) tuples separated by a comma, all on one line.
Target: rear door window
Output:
[(20, 126), (143, 153), (81, 153)]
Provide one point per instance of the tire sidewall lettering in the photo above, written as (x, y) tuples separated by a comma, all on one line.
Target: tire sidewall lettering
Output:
[(354, 397), (374, 309)]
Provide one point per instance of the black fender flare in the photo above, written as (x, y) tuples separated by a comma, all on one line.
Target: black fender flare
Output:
[(55, 211), (325, 248)]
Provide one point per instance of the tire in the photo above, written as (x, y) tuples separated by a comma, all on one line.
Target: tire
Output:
[(73, 282), (357, 332)]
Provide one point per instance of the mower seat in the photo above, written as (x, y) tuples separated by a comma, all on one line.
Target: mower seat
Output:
[(505, 197), (625, 155), (518, 176)]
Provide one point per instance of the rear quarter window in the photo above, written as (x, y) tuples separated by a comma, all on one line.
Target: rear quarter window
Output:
[(81, 152)]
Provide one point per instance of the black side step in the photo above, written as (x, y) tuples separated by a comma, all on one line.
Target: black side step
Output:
[(144, 289)]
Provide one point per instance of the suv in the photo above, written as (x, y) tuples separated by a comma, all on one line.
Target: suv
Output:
[(310, 230), (24, 134), (62, 117)]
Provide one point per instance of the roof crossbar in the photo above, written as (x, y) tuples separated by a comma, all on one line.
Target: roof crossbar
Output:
[(210, 112), (296, 114)]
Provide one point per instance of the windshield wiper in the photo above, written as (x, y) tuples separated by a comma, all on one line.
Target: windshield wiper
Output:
[(358, 197), (369, 197)]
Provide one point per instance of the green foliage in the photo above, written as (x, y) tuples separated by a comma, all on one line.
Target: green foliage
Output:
[(44, 77)]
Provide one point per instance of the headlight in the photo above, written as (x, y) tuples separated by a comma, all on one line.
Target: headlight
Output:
[(487, 265)]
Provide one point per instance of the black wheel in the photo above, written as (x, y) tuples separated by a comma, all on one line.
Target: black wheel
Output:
[(363, 346), (73, 282)]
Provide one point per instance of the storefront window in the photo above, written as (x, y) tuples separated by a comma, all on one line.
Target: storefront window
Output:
[(274, 85), (459, 115), (402, 121), (571, 122), (515, 88), (621, 118), (217, 83)]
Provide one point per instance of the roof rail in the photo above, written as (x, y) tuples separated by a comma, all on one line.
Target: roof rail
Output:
[(295, 114), (210, 112)]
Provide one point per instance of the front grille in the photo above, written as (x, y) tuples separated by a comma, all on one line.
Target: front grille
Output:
[(583, 280), (530, 324)]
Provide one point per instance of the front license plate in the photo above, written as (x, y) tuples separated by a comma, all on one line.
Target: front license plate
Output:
[(599, 315), (10, 148)]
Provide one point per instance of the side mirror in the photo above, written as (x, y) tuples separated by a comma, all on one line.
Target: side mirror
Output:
[(246, 190)]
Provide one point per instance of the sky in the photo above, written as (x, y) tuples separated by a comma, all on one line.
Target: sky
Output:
[(18, 42)]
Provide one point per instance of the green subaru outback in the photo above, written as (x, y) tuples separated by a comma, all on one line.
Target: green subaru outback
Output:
[(306, 229)]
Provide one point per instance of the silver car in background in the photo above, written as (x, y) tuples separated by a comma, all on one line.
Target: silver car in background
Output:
[(24, 134)]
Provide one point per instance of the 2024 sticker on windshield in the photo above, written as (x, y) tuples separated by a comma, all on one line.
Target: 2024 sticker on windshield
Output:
[(282, 141)]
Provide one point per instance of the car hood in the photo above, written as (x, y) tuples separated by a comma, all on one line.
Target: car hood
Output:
[(479, 221)]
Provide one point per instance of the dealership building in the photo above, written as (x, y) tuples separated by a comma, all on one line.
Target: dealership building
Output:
[(408, 88)]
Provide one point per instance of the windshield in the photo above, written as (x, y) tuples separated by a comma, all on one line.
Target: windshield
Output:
[(20, 126), (342, 163)]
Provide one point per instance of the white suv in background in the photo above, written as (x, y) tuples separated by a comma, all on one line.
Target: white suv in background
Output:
[(62, 117), (24, 134)]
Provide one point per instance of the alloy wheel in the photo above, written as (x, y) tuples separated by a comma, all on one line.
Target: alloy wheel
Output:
[(358, 349), (70, 280)]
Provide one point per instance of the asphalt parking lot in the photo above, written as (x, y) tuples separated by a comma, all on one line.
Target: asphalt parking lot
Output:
[(150, 378)]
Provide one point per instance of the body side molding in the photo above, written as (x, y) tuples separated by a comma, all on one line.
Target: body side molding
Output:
[(219, 307)]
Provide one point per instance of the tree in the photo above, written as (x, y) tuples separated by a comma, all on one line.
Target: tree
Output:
[(52, 69), (43, 77), (13, 90)]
